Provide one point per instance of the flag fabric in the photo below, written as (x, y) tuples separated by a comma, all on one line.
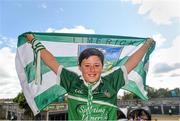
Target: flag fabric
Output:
[(66, 48)]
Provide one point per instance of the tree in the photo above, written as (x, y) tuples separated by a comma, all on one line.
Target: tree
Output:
[(163, 92), (21, 100), (152, 92), (129, 96), (157, 93)]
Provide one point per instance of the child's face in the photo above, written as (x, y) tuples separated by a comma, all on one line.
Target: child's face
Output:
[(91, 69)]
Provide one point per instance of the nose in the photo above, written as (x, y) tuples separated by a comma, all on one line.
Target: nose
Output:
[(92, 69)]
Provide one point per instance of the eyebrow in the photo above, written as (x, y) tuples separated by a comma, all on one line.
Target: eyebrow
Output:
[(92, 63)]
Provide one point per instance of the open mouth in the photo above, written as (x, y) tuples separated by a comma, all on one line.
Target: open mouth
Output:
[(92, 75)]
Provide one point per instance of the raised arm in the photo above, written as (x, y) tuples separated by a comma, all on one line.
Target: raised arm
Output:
[(138, 55), (46, 56)]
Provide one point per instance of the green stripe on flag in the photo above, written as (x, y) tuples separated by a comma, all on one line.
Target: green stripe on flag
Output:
[(93, 40), (65, 61), (121, 61), (30, 72), (140, 70), (22, 40), (84, 38), (49, 96)]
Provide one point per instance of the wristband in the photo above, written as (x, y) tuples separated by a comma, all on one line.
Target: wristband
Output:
[(37, 45)]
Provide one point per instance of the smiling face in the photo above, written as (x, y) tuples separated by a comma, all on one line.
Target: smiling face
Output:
[(91, 68)]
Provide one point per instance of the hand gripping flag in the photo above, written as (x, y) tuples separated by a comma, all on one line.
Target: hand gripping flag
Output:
[(66, 48)]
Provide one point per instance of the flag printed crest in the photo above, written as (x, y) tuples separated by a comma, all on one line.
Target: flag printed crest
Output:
[(65, 47), (111, 54)]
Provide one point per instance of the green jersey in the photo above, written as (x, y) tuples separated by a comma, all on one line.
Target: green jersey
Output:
[(104, 95)]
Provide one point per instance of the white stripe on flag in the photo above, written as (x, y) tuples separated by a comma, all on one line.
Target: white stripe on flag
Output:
[(127, 50), (25, 51), (48, 80), (24, 84), (61, 49), (133, 75)]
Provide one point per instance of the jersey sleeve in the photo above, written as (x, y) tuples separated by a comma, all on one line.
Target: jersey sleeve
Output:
[(117, 78), (66, 77)]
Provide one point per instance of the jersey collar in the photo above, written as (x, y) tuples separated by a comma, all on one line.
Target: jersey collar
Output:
[(94, 85)]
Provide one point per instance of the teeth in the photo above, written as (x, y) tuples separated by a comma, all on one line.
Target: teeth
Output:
[(91, 75)]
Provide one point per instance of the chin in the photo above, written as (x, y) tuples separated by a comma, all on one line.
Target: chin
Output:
[(92, 80)]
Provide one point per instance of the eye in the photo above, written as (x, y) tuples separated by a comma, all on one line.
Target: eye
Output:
[(87, 66), (97, 65)]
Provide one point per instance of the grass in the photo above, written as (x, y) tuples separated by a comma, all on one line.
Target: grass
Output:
[(165, 117)]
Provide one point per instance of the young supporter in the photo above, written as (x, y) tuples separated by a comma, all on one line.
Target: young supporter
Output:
[(91, 96)]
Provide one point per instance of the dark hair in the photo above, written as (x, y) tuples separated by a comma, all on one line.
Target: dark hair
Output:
[(85, 54)]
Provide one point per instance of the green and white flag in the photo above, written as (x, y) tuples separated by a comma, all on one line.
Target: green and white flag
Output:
[(66, 48)]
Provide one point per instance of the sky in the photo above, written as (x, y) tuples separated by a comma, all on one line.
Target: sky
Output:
[(159, 19)]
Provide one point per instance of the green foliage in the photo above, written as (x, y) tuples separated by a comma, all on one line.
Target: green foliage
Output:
[(157, 93), (128, 96), (21, 100), (153, 93)]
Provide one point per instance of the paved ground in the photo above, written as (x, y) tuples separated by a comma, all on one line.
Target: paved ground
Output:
[(165, 118)]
